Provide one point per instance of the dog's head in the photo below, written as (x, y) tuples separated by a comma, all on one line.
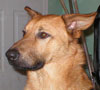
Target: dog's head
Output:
[(46, 39)]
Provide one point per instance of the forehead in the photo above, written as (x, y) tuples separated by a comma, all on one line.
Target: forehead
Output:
[(52, 24), (44, 21)]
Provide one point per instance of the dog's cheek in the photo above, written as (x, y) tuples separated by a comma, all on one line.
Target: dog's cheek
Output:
[(51, 50)]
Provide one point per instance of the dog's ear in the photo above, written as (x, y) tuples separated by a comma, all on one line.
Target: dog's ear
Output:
[(31, 12), (77, 22)]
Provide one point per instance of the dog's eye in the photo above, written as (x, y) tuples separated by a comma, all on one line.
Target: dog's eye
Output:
[(43, 35), (24, 32)]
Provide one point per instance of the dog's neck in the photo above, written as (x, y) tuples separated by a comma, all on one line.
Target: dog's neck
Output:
[(60, 75)]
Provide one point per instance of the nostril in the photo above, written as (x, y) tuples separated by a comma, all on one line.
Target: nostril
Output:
[(12, 54)]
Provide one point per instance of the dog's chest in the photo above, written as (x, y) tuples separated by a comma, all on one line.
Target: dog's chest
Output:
[(46, 80)]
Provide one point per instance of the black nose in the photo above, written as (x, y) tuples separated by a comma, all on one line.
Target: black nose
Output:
[(12, 54)]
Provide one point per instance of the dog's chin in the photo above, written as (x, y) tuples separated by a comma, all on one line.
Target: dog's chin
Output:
[(24, 66)]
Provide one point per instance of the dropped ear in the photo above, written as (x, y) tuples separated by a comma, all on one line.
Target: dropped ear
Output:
[(31, 12), (75, 23)]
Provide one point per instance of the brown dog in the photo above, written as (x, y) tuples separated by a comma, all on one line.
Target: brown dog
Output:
[(50, 52)]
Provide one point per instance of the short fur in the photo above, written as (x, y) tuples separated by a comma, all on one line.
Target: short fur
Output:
[(63, 55)]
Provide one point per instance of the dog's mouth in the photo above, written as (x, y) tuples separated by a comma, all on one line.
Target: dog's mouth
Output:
[(24, 66), (16, 59)]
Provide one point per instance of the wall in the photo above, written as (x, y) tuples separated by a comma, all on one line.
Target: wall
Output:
[(85, 6)]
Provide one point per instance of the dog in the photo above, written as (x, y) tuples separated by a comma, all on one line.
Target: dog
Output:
[(51, 53)]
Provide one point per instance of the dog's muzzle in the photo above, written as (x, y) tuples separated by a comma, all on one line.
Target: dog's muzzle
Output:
[(14, 58)]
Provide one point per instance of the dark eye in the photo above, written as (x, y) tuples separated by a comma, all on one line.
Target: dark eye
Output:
[(43, 35), (24, 32)]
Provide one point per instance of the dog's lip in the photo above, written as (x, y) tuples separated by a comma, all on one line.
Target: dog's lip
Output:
[(38, 65)]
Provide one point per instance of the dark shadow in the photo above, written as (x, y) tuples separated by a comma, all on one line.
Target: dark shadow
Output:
[(23, 72), (89, 31)]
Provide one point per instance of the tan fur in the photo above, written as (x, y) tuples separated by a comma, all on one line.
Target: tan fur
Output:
[(64, 74), (64, 56)]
